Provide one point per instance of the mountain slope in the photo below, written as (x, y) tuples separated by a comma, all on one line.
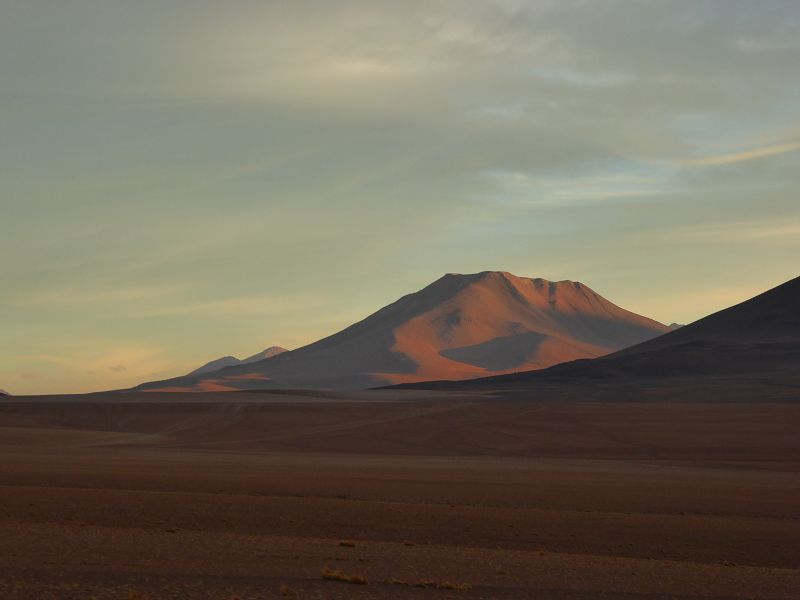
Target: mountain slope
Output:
[(759, 338), (268, 353), (216, 365), (458, 327), (230, 361)]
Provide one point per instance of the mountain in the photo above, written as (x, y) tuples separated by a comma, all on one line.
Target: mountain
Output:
[(756, 342), (4, 393), (216, 365), (230, 361), (458, 327), (268, 353)]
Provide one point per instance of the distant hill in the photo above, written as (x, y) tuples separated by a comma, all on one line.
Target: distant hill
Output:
[(264, 354), (229, 361), (458, 327), (757, 340)]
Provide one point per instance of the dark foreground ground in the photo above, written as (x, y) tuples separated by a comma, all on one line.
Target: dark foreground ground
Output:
[(252, 495)]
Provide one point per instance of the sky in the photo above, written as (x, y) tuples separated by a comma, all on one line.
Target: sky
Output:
[(189, 179)]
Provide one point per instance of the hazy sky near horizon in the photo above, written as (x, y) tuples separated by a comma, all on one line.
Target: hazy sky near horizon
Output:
[(187, 179)]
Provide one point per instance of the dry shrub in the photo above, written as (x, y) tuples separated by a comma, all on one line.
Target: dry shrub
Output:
[(443, 585), (347, 544), (288, 592), (335, 575), (461, 587)]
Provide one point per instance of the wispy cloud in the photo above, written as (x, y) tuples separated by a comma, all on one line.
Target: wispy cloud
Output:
[(677, 300), (523, 189), (778, 231), (68, 295), (232, 307), (87, 355), (743, 156), (92, 364), (162, 301)]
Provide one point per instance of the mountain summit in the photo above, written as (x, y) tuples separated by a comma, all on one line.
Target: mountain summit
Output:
[(458, 327)]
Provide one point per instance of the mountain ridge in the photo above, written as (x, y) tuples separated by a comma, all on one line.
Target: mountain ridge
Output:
[(462, 326)]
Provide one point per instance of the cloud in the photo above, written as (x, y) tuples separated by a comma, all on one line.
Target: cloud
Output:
[(673, 302), (70, 295), (773, 231), (743, 156), (523, 189), (89, 354), (110, 365), (234, 306)]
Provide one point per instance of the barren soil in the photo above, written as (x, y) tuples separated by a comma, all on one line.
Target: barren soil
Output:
[(243, 495)]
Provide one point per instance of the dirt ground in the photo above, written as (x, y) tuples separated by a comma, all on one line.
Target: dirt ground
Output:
[(254, 496)]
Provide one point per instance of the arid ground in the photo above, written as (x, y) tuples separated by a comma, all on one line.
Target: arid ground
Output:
[(423, 495)]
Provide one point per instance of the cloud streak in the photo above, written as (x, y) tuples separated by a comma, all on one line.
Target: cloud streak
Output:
[(743, 156)]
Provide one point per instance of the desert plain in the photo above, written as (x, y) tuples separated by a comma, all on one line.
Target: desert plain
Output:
[(407, 494)]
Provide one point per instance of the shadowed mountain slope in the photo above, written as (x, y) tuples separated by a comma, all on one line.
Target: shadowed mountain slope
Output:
[(459, 327)]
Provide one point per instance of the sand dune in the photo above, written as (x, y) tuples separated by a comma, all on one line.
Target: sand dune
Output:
[(459, 327)]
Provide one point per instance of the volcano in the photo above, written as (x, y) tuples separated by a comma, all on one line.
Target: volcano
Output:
[(458, 327)]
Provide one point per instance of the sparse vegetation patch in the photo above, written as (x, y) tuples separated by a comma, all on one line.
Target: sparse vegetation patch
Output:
[(336, 575), (443, 585)]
